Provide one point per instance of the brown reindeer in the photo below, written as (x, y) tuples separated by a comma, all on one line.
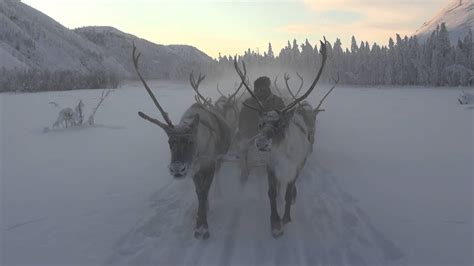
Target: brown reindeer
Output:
[(195, 143)]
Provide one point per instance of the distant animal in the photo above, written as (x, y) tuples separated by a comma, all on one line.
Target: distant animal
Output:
[(55, 104), (195, 143), (466, 98), (285, 136), (66, 117)]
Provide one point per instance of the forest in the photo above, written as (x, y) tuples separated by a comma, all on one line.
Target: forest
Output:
[(405, 61)]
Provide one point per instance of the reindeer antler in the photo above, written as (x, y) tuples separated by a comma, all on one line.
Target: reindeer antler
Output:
[(275, 84), (157, 104), (195, 86), (301, 84), (287, 77), (231, 97), (336, 81), (242, 78), (323, 53)]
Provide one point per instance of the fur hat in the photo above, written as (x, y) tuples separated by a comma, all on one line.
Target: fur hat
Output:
[(262, 82)]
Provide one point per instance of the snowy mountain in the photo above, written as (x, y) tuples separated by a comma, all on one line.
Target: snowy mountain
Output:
[(158, 61), (458, 16), (31, 39)]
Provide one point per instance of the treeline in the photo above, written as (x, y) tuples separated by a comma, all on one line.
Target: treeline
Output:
[(45, 80), (404, 61)]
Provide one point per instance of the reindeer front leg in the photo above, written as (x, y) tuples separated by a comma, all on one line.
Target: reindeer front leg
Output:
[(290, 197), (202, 182), (275, 221)]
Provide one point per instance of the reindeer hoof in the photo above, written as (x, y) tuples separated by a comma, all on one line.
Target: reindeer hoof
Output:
[(197, 235), (277, 228), (286, 219), (201, 233), (276, 233)]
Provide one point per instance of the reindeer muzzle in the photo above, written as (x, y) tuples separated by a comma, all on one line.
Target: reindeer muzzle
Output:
[(263, 144), (178, 170)]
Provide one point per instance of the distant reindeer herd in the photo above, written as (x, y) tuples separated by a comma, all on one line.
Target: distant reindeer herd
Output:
[(206, 131)]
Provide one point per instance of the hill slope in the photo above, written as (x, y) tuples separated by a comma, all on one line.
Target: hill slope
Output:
[(458, 16), (31, 39), (158, 61)]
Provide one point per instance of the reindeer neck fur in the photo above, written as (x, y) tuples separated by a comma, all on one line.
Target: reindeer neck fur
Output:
[(289, 153), (309, 115), (213, 133)]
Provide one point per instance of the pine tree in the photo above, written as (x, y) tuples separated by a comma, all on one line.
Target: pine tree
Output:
[(270, 53)]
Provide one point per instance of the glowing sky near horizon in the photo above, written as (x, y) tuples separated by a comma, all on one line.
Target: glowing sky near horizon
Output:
[(230, 27)]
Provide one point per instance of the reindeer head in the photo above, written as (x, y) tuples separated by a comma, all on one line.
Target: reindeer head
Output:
[(271, 127), (182, 142), (181, 138), (274, 124)]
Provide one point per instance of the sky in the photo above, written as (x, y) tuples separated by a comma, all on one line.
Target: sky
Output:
[(230, 27)]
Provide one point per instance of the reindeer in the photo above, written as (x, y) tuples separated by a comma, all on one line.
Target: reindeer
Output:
[(195, 145), (284, 135), (227, 106)]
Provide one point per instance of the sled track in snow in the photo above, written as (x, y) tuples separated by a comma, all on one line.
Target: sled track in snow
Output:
[(327, 226)]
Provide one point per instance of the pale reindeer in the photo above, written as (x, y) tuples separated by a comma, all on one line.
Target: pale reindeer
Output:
[(284, 135), (195, 143)]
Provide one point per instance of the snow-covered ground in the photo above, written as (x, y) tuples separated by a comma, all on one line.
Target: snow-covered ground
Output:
[(391, 177)]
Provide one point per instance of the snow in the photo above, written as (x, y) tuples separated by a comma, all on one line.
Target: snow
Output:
[(458, 16), (391, 175)]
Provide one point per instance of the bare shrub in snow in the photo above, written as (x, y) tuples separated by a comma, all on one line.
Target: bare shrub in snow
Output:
[(103, 96), (68, 117), (78, 113)]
